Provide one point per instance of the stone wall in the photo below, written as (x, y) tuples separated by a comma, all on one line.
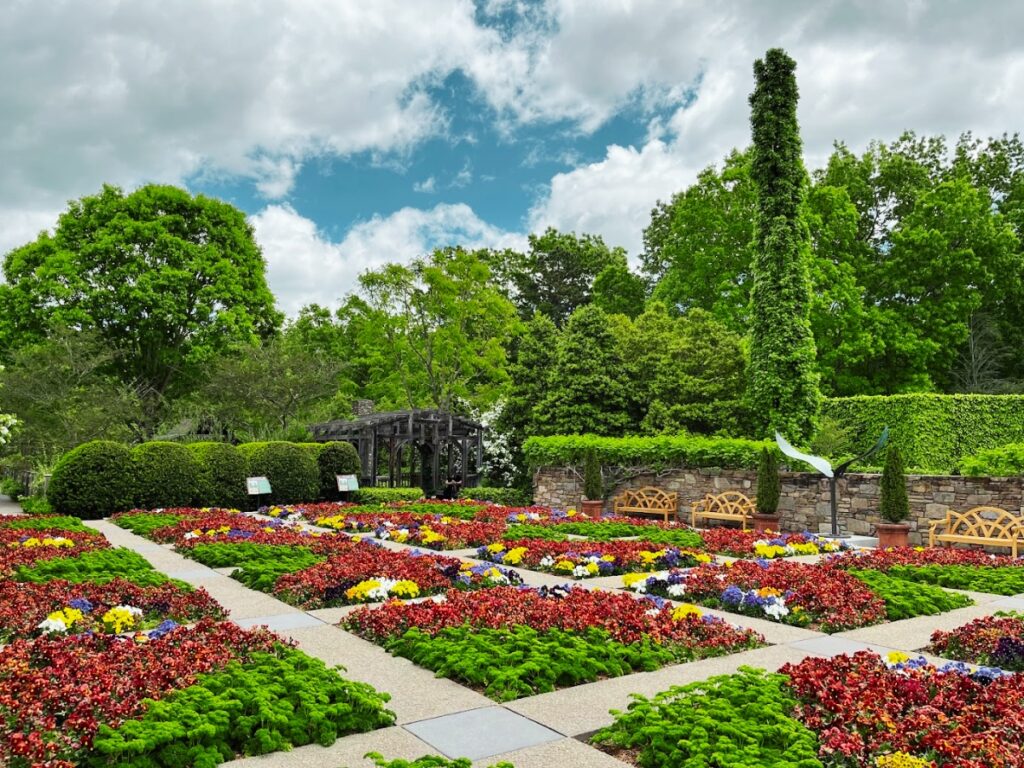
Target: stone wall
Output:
[(804, 501)]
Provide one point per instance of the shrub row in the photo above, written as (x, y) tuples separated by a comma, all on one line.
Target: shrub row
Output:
[(655, 452), (933, 432), (99, 478), (1005, 461), (506, 497)]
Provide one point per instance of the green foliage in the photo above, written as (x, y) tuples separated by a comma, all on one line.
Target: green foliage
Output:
[(92, 481), (507, 497), (260, 565), (588, 391), (995, 580), (783, 381), (618, 291), (526, 531), (336, 458), (35, 505), (222, 473), (166, 475), (291, 469), (593, 487), (894, 506), (57, 522), (933, 432), (906, 599), (97, 566), (168, 281), (605, 531), (769, 485), (386, 495), (831, 440), (272, 702), (743, 720), (11, 487), (144, 523), (518, 661), (427, 761), (1004, 461), (656, 452)]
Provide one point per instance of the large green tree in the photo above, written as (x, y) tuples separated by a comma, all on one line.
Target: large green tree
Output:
[(618, 291), (168, 280), (783, 382), (556, 274)]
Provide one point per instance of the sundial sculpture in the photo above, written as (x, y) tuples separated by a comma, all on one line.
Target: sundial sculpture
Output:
[(833, 475)]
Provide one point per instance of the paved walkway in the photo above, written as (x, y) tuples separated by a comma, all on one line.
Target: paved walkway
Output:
[(8, 507), (436, 715)]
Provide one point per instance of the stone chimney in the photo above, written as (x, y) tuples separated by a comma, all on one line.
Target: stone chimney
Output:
[(362, 408)]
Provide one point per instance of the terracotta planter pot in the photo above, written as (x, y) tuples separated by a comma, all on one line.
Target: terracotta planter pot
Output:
[(592, 508), (765, 522), (892, 534)]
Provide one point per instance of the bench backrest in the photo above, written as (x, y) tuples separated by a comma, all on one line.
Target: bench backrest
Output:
[(729, 502), (985, 522), (647, 498)]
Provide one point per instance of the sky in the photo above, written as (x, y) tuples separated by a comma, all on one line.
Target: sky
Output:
[(358, 132)]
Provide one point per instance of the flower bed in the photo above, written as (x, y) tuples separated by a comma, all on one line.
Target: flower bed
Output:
[(581, 559), (513, 642), (996, 641), (968, 569), (839, 712), (96, 566), (767, 545), (20, 547), (607, 530), (46, 522), (433, 532), (144, 522), (793, 593), (369, 573), (61, 607), (216, 686)]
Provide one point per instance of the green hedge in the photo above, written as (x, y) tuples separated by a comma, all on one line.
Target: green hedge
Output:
[(336, 459), (92, 481), (165, 475), (222, 472), (933, 432), (506, 497), (655, 452), (386, 495), (1005, 461), (290, 468)]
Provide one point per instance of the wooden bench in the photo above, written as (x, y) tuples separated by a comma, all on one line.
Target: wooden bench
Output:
[(990, 526), (731, 505), (647, 501)]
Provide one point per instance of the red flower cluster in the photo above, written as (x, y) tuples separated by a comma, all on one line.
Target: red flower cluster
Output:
[(861, 709), (990, 640), (24, 547), (736, 543), (420, 530), (320, 543), (210, 524), (23, 605), (324, 584), (55, 693), (884, 559), (816, 596), (625, 618)]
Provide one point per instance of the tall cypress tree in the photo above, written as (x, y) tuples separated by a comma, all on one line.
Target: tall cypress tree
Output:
[(784, 387)]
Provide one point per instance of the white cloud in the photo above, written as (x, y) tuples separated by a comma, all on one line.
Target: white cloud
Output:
[(304, 267), (427, 186)]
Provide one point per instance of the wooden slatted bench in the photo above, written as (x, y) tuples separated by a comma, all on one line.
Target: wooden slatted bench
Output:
[(647, 501), (731, 505), (990, 526)]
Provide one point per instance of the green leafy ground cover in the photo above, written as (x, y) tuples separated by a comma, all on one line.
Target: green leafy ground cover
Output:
[(605, 532), (906, 599), (144, 523), (995, 580), (54, 522), (98, 566), (259, 565)]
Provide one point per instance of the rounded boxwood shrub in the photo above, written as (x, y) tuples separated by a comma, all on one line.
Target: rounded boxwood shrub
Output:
[(166, 475), (338, 458), (92, 481), (293, 474), (222, 472)]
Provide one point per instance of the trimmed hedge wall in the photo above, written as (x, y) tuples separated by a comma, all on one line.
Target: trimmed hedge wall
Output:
[(386, 495), (933, 432), (655, 452), (1005, 461), (92, 481), (165, 475), (222, 473), (290, 467), (506, 497)]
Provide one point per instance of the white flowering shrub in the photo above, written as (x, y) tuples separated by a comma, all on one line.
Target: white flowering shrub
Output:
[(7, 423)]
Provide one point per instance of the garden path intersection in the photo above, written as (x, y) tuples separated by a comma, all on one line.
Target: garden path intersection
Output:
[(437, 715)]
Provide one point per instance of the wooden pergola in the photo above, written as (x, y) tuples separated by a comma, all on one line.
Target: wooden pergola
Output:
[(437, 451)]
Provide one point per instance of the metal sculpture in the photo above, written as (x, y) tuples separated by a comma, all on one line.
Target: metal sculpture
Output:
[(825, 467)]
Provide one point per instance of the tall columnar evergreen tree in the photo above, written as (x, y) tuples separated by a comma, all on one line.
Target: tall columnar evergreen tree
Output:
[(894, 506), (784, 386)]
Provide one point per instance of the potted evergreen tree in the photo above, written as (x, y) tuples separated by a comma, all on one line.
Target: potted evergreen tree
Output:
[(766, 518), (593, 487), (894, 507)]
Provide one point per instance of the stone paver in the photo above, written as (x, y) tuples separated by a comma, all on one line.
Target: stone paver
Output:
[(832, 645), (566, 753), (479, 733)]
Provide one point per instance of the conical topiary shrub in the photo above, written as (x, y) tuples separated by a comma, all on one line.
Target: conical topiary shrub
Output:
[(894, 507), (593, 487), (768, 484)]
